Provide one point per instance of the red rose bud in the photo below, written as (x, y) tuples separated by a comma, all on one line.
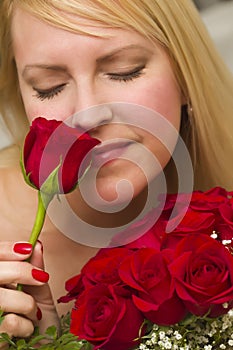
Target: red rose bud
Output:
[(53, 154)]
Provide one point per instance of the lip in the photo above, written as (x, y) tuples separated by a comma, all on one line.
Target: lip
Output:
[(109, 151)]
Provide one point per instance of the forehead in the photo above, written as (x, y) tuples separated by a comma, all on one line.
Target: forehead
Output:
[(31, 35), (26, 22), (70, 23)]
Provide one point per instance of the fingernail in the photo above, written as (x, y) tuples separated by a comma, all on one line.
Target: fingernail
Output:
[(40, 275), (39, 314), (22, 248)]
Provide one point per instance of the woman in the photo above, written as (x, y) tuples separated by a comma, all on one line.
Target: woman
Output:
[(62, 57)]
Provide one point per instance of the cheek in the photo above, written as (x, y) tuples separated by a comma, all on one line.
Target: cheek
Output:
[(160, 94), (164, 98)]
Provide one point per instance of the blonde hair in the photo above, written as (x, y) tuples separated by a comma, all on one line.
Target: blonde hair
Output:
[(203, 77)]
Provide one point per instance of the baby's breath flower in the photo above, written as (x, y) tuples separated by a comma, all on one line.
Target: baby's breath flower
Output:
[(162, 335), (177, 335), (226, 241), (197, 333), (214, 235)]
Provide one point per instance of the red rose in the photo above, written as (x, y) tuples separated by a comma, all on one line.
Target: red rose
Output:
[(199, 222), (150, 239), (103, 268), (199, 201), (203, 272), (141, 233), (51, 145), (224, 225), (106, 317), (74, 287), (209, 200), (146, 271), (194, 221)]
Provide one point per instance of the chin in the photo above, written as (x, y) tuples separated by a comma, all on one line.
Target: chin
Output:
[(114, 196)]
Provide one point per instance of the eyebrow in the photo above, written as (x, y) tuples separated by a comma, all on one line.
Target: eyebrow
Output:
[(113, 53), (102, 59), (55, 68)]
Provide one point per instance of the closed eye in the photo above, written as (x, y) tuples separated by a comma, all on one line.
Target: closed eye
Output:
[(127, 76), (48, 93)]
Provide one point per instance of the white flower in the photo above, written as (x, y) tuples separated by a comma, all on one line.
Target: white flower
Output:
[(162, 335), (198, 334), (214, 235), (226, 241), (177, 335), (230, 313)]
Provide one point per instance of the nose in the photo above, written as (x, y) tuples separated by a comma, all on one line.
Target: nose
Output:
[(93, 117)]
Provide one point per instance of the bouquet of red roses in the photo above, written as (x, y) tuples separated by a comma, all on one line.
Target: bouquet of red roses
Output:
[(164, 290)]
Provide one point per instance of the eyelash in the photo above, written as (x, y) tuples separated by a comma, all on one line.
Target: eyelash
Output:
[(121, 77), (128, 76), (49, 93)]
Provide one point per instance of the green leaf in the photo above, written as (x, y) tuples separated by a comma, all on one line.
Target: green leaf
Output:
[(4, 337), (52, 332), (21, 344), (35, 340), (1, 316), (51, 339)]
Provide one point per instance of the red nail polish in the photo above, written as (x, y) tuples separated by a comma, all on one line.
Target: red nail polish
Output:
[(40, 275), (22, 248), (39, 314)]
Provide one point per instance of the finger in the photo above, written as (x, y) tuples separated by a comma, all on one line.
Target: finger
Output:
[(13, 301), (15, 251), (45, 301), (37, 256), (16, 326), (21, 272)]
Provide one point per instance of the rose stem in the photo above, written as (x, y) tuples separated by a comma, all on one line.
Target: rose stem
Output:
[(39, 222)]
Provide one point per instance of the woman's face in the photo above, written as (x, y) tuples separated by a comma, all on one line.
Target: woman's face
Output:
[(61, 73)]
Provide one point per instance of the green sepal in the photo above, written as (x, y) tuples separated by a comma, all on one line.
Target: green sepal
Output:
[(51, 184), (25, 175)]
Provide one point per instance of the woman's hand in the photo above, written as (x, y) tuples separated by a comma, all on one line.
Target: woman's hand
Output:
[(32, 306)]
